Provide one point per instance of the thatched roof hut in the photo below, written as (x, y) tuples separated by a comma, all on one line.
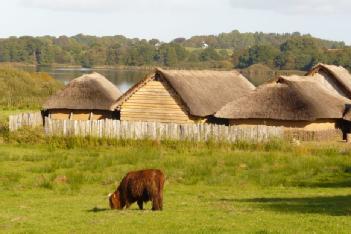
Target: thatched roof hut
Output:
[(292, 98), (335, 78), (181, 95), (90, 92)]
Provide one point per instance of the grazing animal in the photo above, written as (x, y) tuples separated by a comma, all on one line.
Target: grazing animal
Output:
[(139, 186)]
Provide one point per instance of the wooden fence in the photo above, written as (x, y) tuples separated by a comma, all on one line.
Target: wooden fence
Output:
[(160, 131), (25, 119)]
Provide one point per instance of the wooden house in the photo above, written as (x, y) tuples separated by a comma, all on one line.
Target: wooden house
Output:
[(335, 78), (181, 96), (295, 103), (89, 97)]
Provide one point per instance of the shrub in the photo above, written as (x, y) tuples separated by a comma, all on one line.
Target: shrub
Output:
[(22, 89)]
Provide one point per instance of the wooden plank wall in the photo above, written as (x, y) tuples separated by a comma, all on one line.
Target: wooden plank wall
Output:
[(80, 114), (324, 135), (155, 102), (159, 131), (25, 119)]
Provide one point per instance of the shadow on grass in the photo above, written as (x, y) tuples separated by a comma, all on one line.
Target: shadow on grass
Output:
[(97, 209), (338, 184), (338, 181), (333, 205)]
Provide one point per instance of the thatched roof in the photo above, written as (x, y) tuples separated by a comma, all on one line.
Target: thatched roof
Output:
[(203, 92), (288, 98), (88, 92), (340, 74)]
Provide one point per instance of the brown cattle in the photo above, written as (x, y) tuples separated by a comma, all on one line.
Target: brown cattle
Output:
[(139, 186)]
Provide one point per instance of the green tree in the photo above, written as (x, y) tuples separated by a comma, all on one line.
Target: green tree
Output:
[(259, 54), (209, 54), (113, 56), (170, 56)]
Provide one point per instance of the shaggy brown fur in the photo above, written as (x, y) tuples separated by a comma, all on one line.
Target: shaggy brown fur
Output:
[(139, 186)]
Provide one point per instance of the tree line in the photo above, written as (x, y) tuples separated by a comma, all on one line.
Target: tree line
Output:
[(115, 50), (226, 50), (299, 53)]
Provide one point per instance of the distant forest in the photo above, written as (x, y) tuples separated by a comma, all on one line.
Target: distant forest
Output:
[(291, 51)]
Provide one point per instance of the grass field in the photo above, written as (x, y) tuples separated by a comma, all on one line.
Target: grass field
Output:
[(5, 113), (62, 187)]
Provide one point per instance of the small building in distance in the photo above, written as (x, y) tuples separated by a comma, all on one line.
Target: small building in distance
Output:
[(296, 103), (204, 45), (335, 78), (181, 96), (88, 97)]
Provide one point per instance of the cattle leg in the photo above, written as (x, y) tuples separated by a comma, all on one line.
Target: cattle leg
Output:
[(140, 204), (160, 202), (160, 198), (156, 203)]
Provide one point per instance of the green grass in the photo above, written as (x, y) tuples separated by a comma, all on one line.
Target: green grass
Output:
[(61, 187)]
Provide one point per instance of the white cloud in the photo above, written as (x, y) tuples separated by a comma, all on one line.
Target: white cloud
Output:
[(109, 5), (167, 19), (74, 5), (296, 6)]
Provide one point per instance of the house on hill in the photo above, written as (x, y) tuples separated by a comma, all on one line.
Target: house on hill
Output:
[(295, 103), (204, 45), (89, 97), (181, 96), (335, 78)]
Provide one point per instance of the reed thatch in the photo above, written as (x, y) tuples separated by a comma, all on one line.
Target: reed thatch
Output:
[(203, 91), (288, 98), (87, 92), (347, 115), (340, 74)]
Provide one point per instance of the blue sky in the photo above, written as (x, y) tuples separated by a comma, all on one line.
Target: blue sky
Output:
[(168, 19)]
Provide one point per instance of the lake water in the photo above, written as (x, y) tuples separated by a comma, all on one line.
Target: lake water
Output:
[(123, 79)]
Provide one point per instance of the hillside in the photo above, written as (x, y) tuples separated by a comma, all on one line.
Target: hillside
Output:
[(259, 73), (21, 89), (236, 40), (224, 51)]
